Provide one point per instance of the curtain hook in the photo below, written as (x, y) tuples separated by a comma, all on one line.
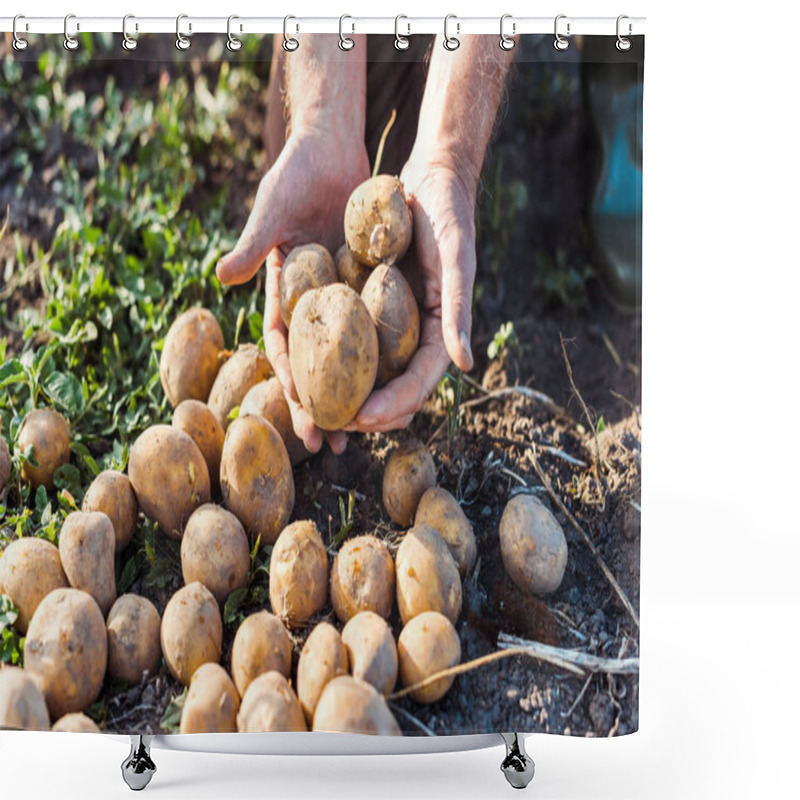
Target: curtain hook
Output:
[(181, 41), (290, 43), (128, 42), (70, 42), (623, 43), (345, 42), (506, 42), (233, 44), (560, 42), (451, 42), (18, 42), (401, 42)]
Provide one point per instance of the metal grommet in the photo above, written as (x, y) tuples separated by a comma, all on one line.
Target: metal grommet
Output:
[(560, 42), (623, 43), (506, 42), (233, 44), (401, 42), (290, 43), (451, 42), (181, 41), (345, 42), (70, 42), (128, 42), (18, 42)]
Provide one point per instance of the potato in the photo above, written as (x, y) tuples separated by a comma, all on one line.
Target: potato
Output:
[(75, 723), (371, 650), (323, 657), (243, 370), (362, 578), (86, 547), (134, 638), (439, 509), (215, 551), (377, 221), (333, 353), (409, 473), (298, 573), (351, 270), (348, 705), (169, 476), (427, 645), (193, 353), (256, 477), (30, 568), (532, 545), (191, 631), (48, 433), (269, 705), (196, 419), (22, 705), (211, 703), (5, 464), (261, 645), (112, 494), (393, 309), (66, 650), (309, 266), (427, 575)]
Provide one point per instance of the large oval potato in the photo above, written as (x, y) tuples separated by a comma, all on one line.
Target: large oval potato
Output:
[(427, 576), (30, 568), (439, 509), (191, 631), (428, 644), (371, 650), (243, 370), (269, 706), (47, 432), (532, 545), (377, 221), (215, 551), (348, 705), (22, 705), (393, 309), (261, 644), (323, 657), (169, 476), (192, 355), (76, 722), (309, 266), (256, 477), (409, 473), (333, 352), (362, 578), (134, 638), (112, 494), (298, 573), (86, 545), (351, 270), (66, 650), (5, 464), (212, 702), (196, 419)]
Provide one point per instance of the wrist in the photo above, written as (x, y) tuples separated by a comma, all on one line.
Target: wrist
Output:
[(459, 166)]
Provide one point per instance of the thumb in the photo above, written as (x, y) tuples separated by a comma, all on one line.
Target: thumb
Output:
[(457, 253)]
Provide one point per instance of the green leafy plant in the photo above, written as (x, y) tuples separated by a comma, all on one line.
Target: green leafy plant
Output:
[(505, 339), (12, 645), (347, 519)]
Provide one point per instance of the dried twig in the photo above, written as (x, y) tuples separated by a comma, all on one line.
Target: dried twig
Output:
[(568, 713), (411, 718)]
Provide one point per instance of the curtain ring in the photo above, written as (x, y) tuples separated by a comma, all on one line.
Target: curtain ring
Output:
[(181, 41), (18, 42), (345, 42), (451, 42), (506, 42), (128, 42), (233, 44), (290, 43), (70, 42), (401, 42), (623, 43), (560, 42)]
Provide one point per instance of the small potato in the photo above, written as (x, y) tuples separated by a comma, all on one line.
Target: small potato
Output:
[(243, 370), (112, 494), (215, 551), (309, 266), (212, 702), (298, 573), (439, 509), (261, 645), (48, 433), (371, 650), (427, 576), (22, 705), (66, 650), (30, 568), (351, 270), (256, 477), (348, 705), (5, 464), (323, 657), (333, 353), (192, 355), (362, 578), (409, 473), (169, 476), (197, 420), (393, 309), (86, 547), (532, 545), (269, 706), (191, 631), (134, 638), (377, 221), (75, 723), (427, 645)]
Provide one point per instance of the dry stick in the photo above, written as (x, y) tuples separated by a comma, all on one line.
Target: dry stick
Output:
[(411, 718), (379, 154), (568, 713)]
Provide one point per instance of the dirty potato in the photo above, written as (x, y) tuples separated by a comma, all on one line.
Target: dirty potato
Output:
[(362, 578), (46, 434), (269, 705), (428, 644), (348, 705), (371, 650), (112, 494), (261, 644), (134, 638), (75, 723), (196, 419), (408, 474), (309, 266), (243, 370), (351, 270), (323, 657), (22, 705), (212, 702), (439, 509)]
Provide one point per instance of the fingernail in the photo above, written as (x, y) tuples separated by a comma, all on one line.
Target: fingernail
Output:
[(463, 337)]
